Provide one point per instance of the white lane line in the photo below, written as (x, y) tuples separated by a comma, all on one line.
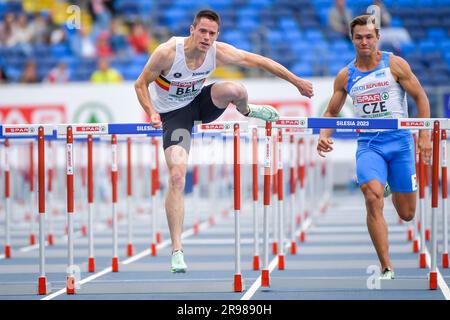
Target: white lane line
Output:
[(441, 282), (255, 286), (187, 233)]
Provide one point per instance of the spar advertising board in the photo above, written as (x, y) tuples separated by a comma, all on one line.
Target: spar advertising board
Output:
[(89, 103)]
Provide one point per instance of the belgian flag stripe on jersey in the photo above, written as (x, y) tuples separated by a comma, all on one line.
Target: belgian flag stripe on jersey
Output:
[(163, 83)]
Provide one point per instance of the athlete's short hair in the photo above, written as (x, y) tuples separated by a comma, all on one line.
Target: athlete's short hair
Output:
[(208, 14), (362, 21)]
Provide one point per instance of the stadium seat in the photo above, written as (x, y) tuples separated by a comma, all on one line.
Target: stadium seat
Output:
[(302, 70)]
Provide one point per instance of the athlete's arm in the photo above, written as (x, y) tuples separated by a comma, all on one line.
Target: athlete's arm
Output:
[(334, 107), (403, 74), (159, 61), (227, 54)]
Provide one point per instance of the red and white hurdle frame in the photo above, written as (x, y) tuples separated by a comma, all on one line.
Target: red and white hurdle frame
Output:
[(114, 169), (256, 261), (7, 201), (154, 188), (32, 203), (42, 282), (444, 199), (238, 283), (90, 200), (70, 288)]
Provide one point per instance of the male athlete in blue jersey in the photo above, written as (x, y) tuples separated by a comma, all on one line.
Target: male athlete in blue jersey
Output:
[(377, 83)]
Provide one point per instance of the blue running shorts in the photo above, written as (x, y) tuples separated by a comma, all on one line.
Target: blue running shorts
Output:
[(387, 156)]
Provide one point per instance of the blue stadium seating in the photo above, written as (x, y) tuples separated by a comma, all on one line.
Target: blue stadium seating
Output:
[(296, 33)]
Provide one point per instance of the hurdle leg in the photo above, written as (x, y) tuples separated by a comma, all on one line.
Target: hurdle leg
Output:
[(7, 202), (444, 199), (42, 281)]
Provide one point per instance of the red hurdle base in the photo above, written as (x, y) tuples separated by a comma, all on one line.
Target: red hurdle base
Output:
[(433, 281), (427, 234), (7, 252), (298, 220), (293, 247), (153, 249), (158, 237), (50, 239), (255, 262), (237, 283), (115, 264), (423, 261), (265, 278), (274, 248), (410, 234), (42, 286), (416, 246), (281, 262), (91, 265), (32, 239), (302, 236), (70, 287), (129, 250), (445, 260)]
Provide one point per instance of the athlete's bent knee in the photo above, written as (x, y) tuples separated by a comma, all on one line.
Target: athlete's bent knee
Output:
[(236, 90)]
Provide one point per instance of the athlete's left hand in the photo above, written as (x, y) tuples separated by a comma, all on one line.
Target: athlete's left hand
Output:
[(425, 146)]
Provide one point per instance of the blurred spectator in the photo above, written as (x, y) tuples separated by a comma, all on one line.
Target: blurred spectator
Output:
[(22, 35), (82, 44), (3, 76), (339, 18), (117, 38), (59, 74), (29, 74), (105, 74), (391, 38), (101, 11), (6, 29), (103, 46), (139, 38), (41, 27), (385, 15)]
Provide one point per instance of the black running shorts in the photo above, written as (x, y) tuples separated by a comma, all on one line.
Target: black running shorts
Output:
[(177, 124)]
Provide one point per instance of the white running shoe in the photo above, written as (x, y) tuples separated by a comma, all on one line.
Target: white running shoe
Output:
[(387, 274), (263, 112), (178, 265)]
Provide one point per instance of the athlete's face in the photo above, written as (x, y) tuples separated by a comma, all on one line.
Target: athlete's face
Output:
[(204, 34), (365, 40)]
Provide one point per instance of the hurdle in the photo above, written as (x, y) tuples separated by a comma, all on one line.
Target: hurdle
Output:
[(444, 198), (430, 282), (221, 285), (7, 202)]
